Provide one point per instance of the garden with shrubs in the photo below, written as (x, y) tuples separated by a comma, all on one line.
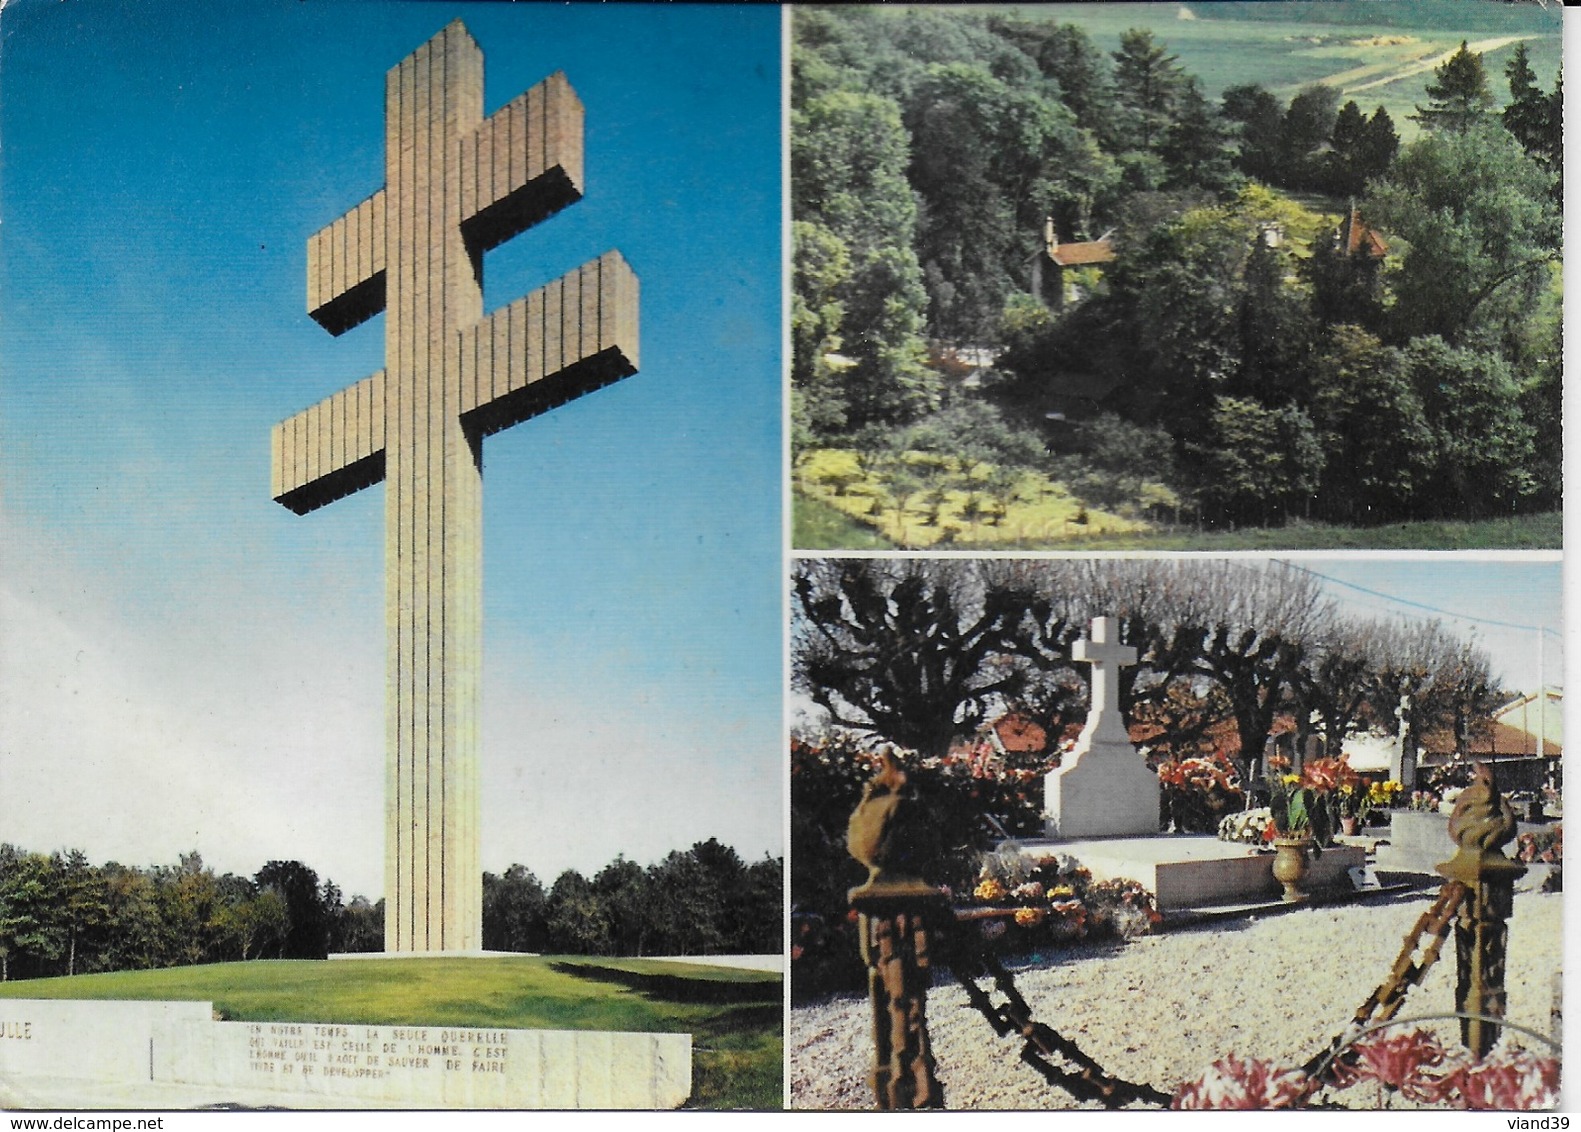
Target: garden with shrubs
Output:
[(1278, 307)]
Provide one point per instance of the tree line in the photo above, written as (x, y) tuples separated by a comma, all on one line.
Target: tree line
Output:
[(704, 901), (62, 915), (922, 652), (1269, 364)]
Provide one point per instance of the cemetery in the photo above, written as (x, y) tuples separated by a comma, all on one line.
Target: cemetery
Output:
[(1235, 910)]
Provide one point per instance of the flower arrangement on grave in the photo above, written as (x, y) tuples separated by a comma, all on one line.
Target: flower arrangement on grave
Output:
[(1384, 795), (1351, 803), (1545, 847), (1026, 903), (1424, 800), (1360, 801), (1199, 791), (1249, 827), (1303, 805)]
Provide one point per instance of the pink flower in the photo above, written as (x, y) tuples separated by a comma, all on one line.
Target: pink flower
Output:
[(1513, 1082), (1400, 1061), (1236, 1083)]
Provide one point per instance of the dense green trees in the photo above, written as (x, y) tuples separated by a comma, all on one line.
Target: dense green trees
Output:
[(703, 901), (848, 160), (1286, 352), (61, 915), (1479, 231), (1148, 83), (1537, 119)]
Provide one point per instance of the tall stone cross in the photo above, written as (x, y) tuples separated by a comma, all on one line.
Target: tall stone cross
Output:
[(1102, 649), (1102, 787), (456, 184)]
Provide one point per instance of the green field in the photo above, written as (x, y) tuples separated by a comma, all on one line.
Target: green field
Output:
[(1284, 46), (1529, 532), (734, 1017), (817, 526)]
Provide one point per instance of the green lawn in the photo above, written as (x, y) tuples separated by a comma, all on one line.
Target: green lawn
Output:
[(1530, 532), (734, 1017), (817, 526)]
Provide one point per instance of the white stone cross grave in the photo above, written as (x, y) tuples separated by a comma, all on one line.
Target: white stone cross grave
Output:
[(1103, 787)]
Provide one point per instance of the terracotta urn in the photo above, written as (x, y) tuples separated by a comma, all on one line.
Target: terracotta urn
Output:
[(1292, 859)]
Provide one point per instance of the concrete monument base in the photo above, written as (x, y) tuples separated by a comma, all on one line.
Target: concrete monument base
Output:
[(1196, 871), (83, 1054), (473, 954)]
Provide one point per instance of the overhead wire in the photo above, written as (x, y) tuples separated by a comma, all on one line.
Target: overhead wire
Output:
[(1416, 604)]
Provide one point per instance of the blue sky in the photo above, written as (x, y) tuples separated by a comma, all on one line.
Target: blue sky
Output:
[(183, 662), (1497, 601)]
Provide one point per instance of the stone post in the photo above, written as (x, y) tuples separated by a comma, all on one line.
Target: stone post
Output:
[(898, 913), (1402, 761), (1481, 825)]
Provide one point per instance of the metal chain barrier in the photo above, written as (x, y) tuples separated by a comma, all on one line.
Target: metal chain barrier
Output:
[(903, 920), (1087, 1081), (1407, 972)]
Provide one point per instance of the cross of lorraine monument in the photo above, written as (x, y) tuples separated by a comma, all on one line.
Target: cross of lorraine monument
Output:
[(456, 185)]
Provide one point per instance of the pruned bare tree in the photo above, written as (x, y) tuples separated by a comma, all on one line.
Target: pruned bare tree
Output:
[(913, 650)]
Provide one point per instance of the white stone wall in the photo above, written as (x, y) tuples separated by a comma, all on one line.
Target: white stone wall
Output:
[(178, 1049), (89, 1040), (432, 1066)]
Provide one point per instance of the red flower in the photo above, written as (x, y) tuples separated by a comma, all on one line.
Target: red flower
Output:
[(1234, 1083), (1400, 1061), (1328, 774), (1518, 1082)]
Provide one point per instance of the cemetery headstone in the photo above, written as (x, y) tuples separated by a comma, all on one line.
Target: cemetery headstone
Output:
[(1103, 787), (1402, 759)]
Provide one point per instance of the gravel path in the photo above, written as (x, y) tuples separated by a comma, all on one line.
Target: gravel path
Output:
[(1162, 1008)]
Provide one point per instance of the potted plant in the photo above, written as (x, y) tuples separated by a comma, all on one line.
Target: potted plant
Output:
[(1296, 813), (1353, 804), (1382, 796)]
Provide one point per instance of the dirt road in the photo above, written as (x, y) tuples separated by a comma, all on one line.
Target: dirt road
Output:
[(1480, 47)]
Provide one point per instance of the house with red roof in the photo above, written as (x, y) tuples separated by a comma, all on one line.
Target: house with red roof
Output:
[(1049, 267)]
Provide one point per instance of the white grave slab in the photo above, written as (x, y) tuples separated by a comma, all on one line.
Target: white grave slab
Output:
[(1198, 871), (1102, 788)]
